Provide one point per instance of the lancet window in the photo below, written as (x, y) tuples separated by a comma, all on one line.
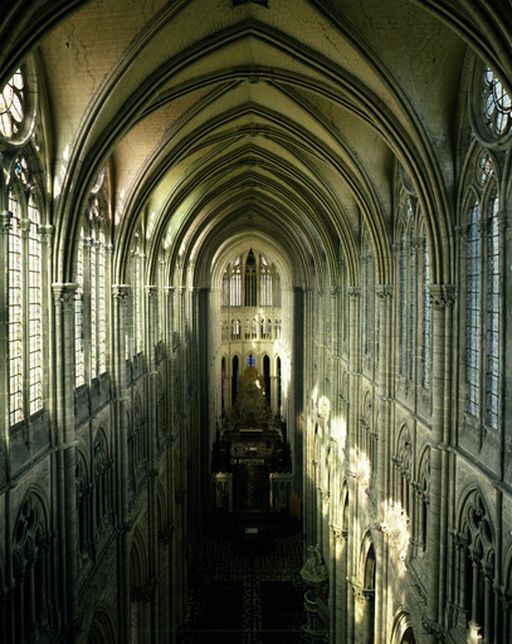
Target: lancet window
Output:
[(368, 298), (477, 568), (91, 295), (260, 285), (137, 284), (24, 254), (31, 573), (482, 251)]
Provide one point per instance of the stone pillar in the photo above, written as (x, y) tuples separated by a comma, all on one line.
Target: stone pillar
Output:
[(151, 296), (442, 300), (5, 225), (354, 372), (384, 394), (64, 365), (120, 294), (339, 585), (354, 364)]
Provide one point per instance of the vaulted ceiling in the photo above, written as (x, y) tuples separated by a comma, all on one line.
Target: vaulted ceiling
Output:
[(282, 121)]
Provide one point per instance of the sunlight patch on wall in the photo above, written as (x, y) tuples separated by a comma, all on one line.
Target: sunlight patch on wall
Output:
[(396, 527)]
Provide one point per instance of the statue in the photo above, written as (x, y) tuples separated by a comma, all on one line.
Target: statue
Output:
[(314, 574), (314, 570)]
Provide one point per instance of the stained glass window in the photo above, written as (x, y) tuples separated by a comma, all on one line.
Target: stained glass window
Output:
[(235, 294), (34, 309), (250, 280), (427, 354), (497, 104), (225, 288), (265, 282), (16, 354), (403, 301), (492, 315), (411, 318), (93, 305), (12, 105), (368, 266), (138, 298), (79, 314), (101, 307), (473, 291)]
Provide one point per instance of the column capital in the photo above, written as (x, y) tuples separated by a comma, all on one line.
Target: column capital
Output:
[(64, 292), (384, 291), (5, 220), (120, 291), (442, 295), (45, 231), (151, 290), (338, 533), (354, 291), (24, 226), (324, 494)]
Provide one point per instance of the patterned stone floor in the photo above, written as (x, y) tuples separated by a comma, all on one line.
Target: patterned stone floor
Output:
[(245, 585)]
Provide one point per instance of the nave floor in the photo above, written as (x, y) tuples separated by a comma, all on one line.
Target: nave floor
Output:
[(245, 587)]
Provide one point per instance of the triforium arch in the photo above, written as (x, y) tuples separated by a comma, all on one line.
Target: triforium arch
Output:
[(476, 570), (366, 597), (403, 631), (102, 630)]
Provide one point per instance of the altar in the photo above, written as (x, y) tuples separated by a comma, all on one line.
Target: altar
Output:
[(250, 449)]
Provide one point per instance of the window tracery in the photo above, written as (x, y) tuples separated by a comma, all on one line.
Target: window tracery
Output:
[(91, 293), (402, 462), (31, 567), (496, 103), (426, 352), (368, 297), (13, 108), (423, 500), (482, 292), (24, 293), (408, 280), (83, 507), (477, 571), (137, 277), (103, 467), (261, 285)]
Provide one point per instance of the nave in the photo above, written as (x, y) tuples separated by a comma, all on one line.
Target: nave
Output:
[(244, 583)]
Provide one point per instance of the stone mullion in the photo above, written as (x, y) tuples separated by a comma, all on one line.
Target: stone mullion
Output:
[(64, 324), (338, 586), (120, 314), (46, 238), (86, 308), (488, 591), (384, 388)]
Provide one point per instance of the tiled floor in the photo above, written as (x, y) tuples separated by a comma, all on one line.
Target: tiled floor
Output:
[(245, 585)]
